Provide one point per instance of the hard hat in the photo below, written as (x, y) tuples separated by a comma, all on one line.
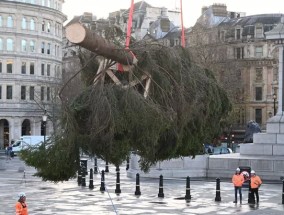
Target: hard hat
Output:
[(21, 195), (238, 170), (252, 172)]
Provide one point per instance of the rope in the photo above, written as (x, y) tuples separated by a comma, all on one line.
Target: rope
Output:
[(114, 208)]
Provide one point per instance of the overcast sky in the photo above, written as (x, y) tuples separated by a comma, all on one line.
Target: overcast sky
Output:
[(191, 8)]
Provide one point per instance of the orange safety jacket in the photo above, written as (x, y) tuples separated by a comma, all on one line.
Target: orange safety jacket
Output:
[(21, 208), (238, 180), (255, 182)]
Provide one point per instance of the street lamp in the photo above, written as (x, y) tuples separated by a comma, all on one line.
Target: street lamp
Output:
[(274, 103), (44, 118)]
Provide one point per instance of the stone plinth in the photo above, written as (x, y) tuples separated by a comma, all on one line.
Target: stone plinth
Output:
[(174, 168), (267, 167)]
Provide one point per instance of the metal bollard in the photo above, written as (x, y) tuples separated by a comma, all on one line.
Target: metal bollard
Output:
[(187, 192), (137, 190), (161, 188), (218, 191), (117, 168), (283, 192), (106, 169), (95, 166), (251, 199), (102, 188), (117, 189), (91, 184), (83, 184), (79, 180), (127, 163)]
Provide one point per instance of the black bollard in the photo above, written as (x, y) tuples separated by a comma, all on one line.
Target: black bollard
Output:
[(95, 166), (117, 168), (83, 184), (102, 188), (251, 199), (187, 192), (137, 190), (127, 163), (161, 188), (79, 180), (106, 170), (283, 192), (218, 191), (91, 184), (117, 189)]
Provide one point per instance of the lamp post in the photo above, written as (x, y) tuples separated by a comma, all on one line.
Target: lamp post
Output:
[(274, 104), (44, 118)]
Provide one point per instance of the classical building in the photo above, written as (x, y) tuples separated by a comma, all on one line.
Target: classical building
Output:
[(145, 18), (30, 65), (235, 47)]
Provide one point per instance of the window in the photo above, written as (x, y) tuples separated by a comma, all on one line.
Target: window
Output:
[(238, 34), (32, 46), (10, 22), (43, 2), (1, 44), (258, 116), (48, 48), (0, 92), (42, 69), (42, 93), (43, 25), (42, 47), (24, 45), (1, 21), (48, 27), (222, 35), (32, 68), (32, 24), (9, 66), (48, 93), (258, 93), (10, 45), (48, 70), (24, 23), (32, 93), (24, 68), (0, 67), (9, 92), (239, 53), (258, 32), (258, 51), (23, 92), (48, 3)]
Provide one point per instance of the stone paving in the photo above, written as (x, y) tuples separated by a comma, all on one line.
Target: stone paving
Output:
[(45, 198)]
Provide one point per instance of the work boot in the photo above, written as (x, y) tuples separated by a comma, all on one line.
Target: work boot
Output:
[(235, 201)]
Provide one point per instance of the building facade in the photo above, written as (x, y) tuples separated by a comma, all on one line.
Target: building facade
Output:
[(244, 61), (30, 65), (144, 17)]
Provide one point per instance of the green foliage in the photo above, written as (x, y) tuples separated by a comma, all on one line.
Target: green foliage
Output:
[(182, 111)]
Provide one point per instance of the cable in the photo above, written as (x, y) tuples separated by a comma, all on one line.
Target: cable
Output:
[(114, 208)]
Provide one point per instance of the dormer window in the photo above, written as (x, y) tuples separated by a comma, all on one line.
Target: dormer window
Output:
[(238, 34), (258, 32)]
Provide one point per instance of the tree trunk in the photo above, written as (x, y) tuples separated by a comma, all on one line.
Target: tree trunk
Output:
[(82, 36)]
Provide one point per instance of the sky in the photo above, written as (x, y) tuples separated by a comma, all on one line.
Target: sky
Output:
[(191, 8)]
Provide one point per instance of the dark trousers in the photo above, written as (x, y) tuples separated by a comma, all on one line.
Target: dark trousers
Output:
[(236, 193), (254, 191)]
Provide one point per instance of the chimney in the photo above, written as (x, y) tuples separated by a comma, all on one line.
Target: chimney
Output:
[(219, 10)]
